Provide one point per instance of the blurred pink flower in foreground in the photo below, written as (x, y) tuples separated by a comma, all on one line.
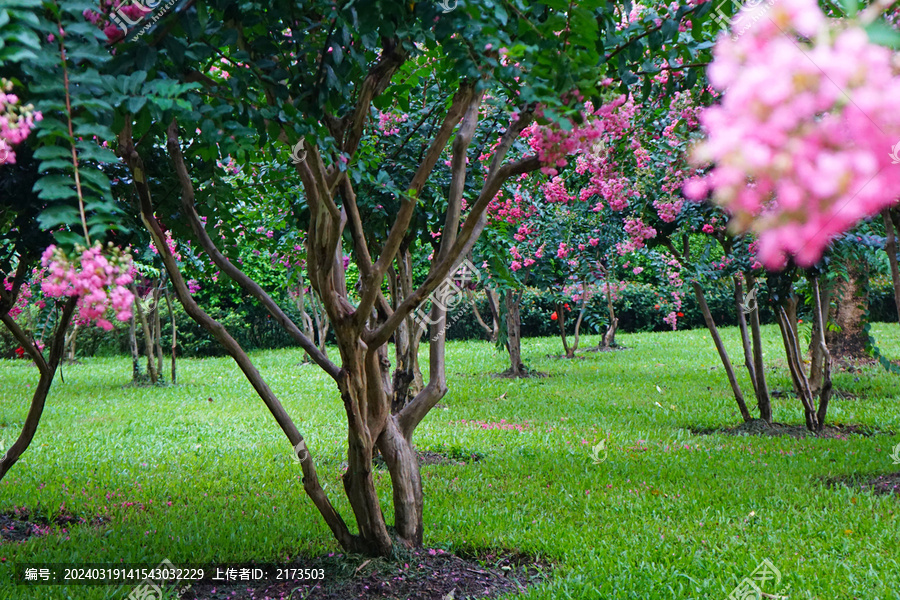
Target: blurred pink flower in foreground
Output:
[(802, 139)]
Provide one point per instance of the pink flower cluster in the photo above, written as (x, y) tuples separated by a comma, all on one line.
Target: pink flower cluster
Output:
[(638, 232), (25, 295), (170, 242), (16, 121), (806, 138), (388, 122), (553, 145), (555, 191), (98, 279), (668, 211), (616, 191)]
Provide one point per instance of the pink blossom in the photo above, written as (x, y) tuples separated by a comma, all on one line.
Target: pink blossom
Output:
[(802, 139)]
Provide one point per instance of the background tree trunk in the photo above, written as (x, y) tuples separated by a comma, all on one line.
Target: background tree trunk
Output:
[(157, 329), (407, 380), (174, 336), (763, 399), (492, 330), (609, 338), (851, 305), (71, 343), (816, 350), (512, 299), (561, 320), (723, 354), (47, 368), (148, 337), (135, 353), (889, 216)]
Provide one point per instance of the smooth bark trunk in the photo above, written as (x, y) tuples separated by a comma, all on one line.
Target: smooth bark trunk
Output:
[(492, 330), (763, 398), (891, 248), (47, 368), (512, 298), (148, 337), (174, 377), (720, 348)]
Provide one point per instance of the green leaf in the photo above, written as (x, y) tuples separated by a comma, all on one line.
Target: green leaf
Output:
[(136, 103), (57, 215)]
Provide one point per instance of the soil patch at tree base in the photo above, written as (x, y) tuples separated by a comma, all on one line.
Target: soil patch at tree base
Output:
[(522, 375), (607, 349), (883, 485), (428, 457), (420, 575), (20, 524), (760, 427)]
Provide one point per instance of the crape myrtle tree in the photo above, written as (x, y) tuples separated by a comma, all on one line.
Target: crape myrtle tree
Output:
[(637, 173), (811, 157), (317, 72), (511, 254), (47, 269)]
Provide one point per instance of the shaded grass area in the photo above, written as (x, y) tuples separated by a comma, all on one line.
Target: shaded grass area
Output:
[(200, 473)]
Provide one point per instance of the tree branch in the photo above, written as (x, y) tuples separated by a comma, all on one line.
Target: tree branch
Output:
[(227, 267)]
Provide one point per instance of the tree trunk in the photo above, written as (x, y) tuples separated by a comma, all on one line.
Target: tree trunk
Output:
[(408, 380), (47, 368), (763, 399), (561, 320), (157, 329), (148, 337), (364, 378), (492, 330), (135, 353), (174, 335), (579, 320), (723, 354), (745, 335), (514, 333), (609, 338), (818, 352), (821, 314), (71, 342), (852, 300), (788, 327), (891, 248)]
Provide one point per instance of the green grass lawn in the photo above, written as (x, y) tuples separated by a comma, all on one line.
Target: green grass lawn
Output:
[(200, 473)]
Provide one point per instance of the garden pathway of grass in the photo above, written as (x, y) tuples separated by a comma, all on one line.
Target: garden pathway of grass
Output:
[(200, 472)]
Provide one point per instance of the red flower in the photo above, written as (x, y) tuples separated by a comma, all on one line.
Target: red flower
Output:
[(20, 352), (680, 314), (554, 316), (566, 306), (656, 306)]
